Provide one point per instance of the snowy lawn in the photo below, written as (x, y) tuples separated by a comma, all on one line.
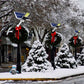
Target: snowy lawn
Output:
[(57, 73)]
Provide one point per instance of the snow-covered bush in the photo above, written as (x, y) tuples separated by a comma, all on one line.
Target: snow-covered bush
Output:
[(37, 59), (64, 58), (80, 60)]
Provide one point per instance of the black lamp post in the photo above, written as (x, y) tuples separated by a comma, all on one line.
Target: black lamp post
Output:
[(0, 53), (22, 18), (18, 59), (53, 50), (75, 37), (18, 27), (75, 53), (75, 41)]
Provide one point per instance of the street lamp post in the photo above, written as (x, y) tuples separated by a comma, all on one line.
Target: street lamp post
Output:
[(18, 59), (75, 37), (22, 17), (18, 48), (53, 50), (0, 53)]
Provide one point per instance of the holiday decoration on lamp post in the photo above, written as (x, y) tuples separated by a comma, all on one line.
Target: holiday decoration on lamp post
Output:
[(75, 42), (17, 31), (19, 35), (52, 41)]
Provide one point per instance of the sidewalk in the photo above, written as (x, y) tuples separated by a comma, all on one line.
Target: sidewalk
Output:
[(56, 74)]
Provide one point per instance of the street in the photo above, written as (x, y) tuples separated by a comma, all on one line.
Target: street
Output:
[(71, 80)]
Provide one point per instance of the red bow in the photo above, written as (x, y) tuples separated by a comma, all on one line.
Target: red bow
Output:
[(75, 38), (53, 37), (17, 32)]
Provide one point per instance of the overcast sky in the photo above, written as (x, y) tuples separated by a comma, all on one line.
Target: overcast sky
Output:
[(81, 2)]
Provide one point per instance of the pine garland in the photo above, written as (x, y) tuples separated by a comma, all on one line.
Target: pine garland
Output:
[(23, 35), (48, 43), (78, 42)]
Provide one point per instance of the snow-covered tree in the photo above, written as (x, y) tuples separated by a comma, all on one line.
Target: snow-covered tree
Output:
[(81, 58), (64, 58), (37, 59)]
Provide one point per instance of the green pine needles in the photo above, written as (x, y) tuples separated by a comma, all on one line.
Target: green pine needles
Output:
[(23, 35), (48, 43), (78, 42)]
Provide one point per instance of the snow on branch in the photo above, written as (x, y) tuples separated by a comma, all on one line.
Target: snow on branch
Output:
[(5, 8), (3, 1), (5, 28), (6, 13)]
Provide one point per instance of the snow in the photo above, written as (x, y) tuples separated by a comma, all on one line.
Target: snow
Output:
[(2, 82), (35, 0), (82, 50), (37, 59), (57, 73), (14, 45), (8, 31), (64, 58), (81, 3), (65, 13)]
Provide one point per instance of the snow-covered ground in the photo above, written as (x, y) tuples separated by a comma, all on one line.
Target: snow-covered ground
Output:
[(57, 73), (81, 4)]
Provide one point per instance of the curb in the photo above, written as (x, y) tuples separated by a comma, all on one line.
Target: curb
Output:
[(29, 79), (40, 79)]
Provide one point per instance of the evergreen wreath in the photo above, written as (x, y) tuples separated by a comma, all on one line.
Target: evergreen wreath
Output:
[(78, 42), (57, 41), (23, 35)]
